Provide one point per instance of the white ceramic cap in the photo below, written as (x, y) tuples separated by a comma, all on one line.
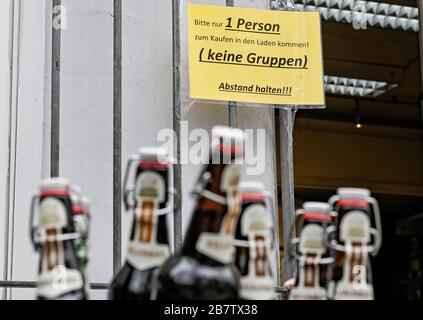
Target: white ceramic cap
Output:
[(251, 187), (353, 193), (316, 207), (233, 136), (54, 183), (154, 154)]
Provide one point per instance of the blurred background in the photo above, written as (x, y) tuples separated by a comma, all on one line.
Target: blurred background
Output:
[(370, 134)]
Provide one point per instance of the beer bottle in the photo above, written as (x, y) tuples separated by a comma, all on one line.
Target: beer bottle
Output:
[(352, 237), (253, 243), (203, 268), (311, 254), (60, 276), (82, 220), (148, 246), (415, 270)]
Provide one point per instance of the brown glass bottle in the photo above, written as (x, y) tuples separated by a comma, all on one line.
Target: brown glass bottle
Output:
[(253, 241), (312, 256), (203, 268), (148, 245), (60, 276)]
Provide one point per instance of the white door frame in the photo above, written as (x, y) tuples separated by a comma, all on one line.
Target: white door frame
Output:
[(5, 95), (23, 110)]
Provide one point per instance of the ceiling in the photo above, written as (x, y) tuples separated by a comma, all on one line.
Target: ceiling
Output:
[(373, 54)]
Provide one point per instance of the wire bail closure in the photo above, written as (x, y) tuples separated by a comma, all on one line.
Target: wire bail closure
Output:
[(200, 190), (268, 204), (374, 246), (296, 241), (129, 194), (38, 237)]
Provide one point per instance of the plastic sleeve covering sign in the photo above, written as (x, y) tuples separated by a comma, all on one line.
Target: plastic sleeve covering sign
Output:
[(255, 56)]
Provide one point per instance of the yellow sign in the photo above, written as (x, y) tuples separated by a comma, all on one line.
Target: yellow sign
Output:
[(255, 56)]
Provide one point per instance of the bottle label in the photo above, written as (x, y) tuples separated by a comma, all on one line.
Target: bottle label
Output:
[(302, 293), (308, 287), (144, 256), (216, 246), (144, 252), (59, 281), (254, 288), (354, 285), (347, 291), (258, 284), (344, 290)]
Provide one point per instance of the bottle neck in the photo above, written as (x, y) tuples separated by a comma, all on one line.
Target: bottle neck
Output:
[(57, 254), (355, 263), (308, 275), (53, 252), (56, 221), (209, 216), (259, 266), (148, 227)]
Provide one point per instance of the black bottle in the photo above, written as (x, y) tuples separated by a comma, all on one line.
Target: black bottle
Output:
[(60, 276), (148, 246), (253, 243), (312, 255), (203, 268)]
